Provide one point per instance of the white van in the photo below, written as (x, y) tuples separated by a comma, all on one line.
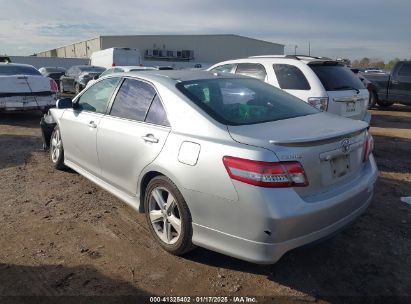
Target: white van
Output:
[(116, 57)]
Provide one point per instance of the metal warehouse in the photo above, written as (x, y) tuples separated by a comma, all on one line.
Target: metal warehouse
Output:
[(189, 48)]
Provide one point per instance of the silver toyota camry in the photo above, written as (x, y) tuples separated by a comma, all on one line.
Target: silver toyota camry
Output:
[(220, 161)]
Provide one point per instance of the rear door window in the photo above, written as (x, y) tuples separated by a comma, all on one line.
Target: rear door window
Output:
[(254, 70), (290, 77), (133, 100), (335, 77), (96, 98), (156, 114)]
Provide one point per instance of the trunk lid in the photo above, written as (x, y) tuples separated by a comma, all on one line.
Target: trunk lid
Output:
[(348, 103), (24, 84), (329, 147)]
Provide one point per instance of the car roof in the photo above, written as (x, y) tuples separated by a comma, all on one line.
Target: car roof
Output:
[(268, 58), (175, 76)]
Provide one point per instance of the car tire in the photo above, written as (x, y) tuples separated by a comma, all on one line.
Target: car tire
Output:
[(56, 149), (77, 88), (168, 217), (373, 99)]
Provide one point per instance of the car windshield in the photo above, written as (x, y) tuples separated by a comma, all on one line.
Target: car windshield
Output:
[(8, 70), (336, 77), (92, 69), (243, 101)]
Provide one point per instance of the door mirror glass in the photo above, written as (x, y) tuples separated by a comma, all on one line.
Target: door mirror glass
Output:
[(96, 77), (64, 103)]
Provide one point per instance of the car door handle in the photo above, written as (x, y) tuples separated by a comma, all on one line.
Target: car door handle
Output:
[(150, 138), (91, 124)]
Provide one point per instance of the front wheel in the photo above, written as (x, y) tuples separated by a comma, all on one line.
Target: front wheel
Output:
[(56, 149), (168, 216)]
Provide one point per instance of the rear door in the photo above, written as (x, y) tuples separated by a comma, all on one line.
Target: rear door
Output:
[(132, 135), (400, 86), (347, 95), (79, 126)]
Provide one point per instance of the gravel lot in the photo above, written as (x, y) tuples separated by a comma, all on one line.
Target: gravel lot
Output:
[(62, 235)]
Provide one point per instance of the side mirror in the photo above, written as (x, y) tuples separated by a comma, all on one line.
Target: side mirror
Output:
[(64, 103), (96, 77)]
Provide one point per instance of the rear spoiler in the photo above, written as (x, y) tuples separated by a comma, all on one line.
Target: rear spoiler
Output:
[(316, 138)]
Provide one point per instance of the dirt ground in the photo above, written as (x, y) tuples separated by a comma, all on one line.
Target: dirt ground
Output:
[(62, 235)]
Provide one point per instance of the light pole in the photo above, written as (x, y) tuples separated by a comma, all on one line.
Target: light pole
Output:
[(295, 49)]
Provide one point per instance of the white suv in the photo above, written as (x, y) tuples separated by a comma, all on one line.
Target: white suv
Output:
[(321, 82)]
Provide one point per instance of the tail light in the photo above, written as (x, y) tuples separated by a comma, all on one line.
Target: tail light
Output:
[(266, 174), (53, 86), (113, 64), (368, 146), (321, 103)]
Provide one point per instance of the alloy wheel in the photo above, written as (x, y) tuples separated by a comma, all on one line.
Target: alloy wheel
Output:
[(55, 146), (165, 215)]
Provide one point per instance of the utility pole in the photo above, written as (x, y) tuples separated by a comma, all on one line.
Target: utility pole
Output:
[(295, 49), (309, 48)]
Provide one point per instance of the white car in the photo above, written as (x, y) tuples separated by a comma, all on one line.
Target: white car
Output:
[(22, 87), (321, 82), (120, 69)]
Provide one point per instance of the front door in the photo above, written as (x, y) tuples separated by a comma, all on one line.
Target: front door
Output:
[(79, 126)]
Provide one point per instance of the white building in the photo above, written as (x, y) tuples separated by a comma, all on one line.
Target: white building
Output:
[(173, 48)]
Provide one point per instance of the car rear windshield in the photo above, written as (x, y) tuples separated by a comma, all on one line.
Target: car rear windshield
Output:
[(55, 70), (243, 101), (336, 77), (8, 70)]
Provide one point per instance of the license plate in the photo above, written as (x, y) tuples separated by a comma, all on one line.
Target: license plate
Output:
[(350, 107), (340, 166)]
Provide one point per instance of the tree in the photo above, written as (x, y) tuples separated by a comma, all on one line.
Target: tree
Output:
[(365, 62), (391, 63), (356, 63)]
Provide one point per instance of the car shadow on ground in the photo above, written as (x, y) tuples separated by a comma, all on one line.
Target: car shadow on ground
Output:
[(344, 265), (61, 284), (29, 119)]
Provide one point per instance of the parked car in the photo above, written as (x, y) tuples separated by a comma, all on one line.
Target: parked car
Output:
[(5, 59), (77, 77), (22, 87), (225, 162), (53, 72), (372, 88), (325, 84), (116, 56), (120, 69), (394, 87)]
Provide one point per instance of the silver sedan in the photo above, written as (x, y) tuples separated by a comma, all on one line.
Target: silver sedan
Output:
[(224, 162)]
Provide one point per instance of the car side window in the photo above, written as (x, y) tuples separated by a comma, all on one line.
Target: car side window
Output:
[(95, 98), (133, 100), (255, 70), (225, 68), (405, 70), (290, 77), (156, 114)]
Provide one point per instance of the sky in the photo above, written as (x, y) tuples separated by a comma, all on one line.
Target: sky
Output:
[(347, 29)]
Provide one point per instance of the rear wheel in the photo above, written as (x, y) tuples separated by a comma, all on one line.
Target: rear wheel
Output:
[(168, 216), (373, 100), (56, 149), (384, 103)]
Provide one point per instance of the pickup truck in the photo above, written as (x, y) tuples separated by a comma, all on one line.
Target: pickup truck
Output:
[(392, 88)]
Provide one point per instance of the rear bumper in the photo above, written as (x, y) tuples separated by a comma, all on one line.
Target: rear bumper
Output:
[(23, 103), (267, 223)]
